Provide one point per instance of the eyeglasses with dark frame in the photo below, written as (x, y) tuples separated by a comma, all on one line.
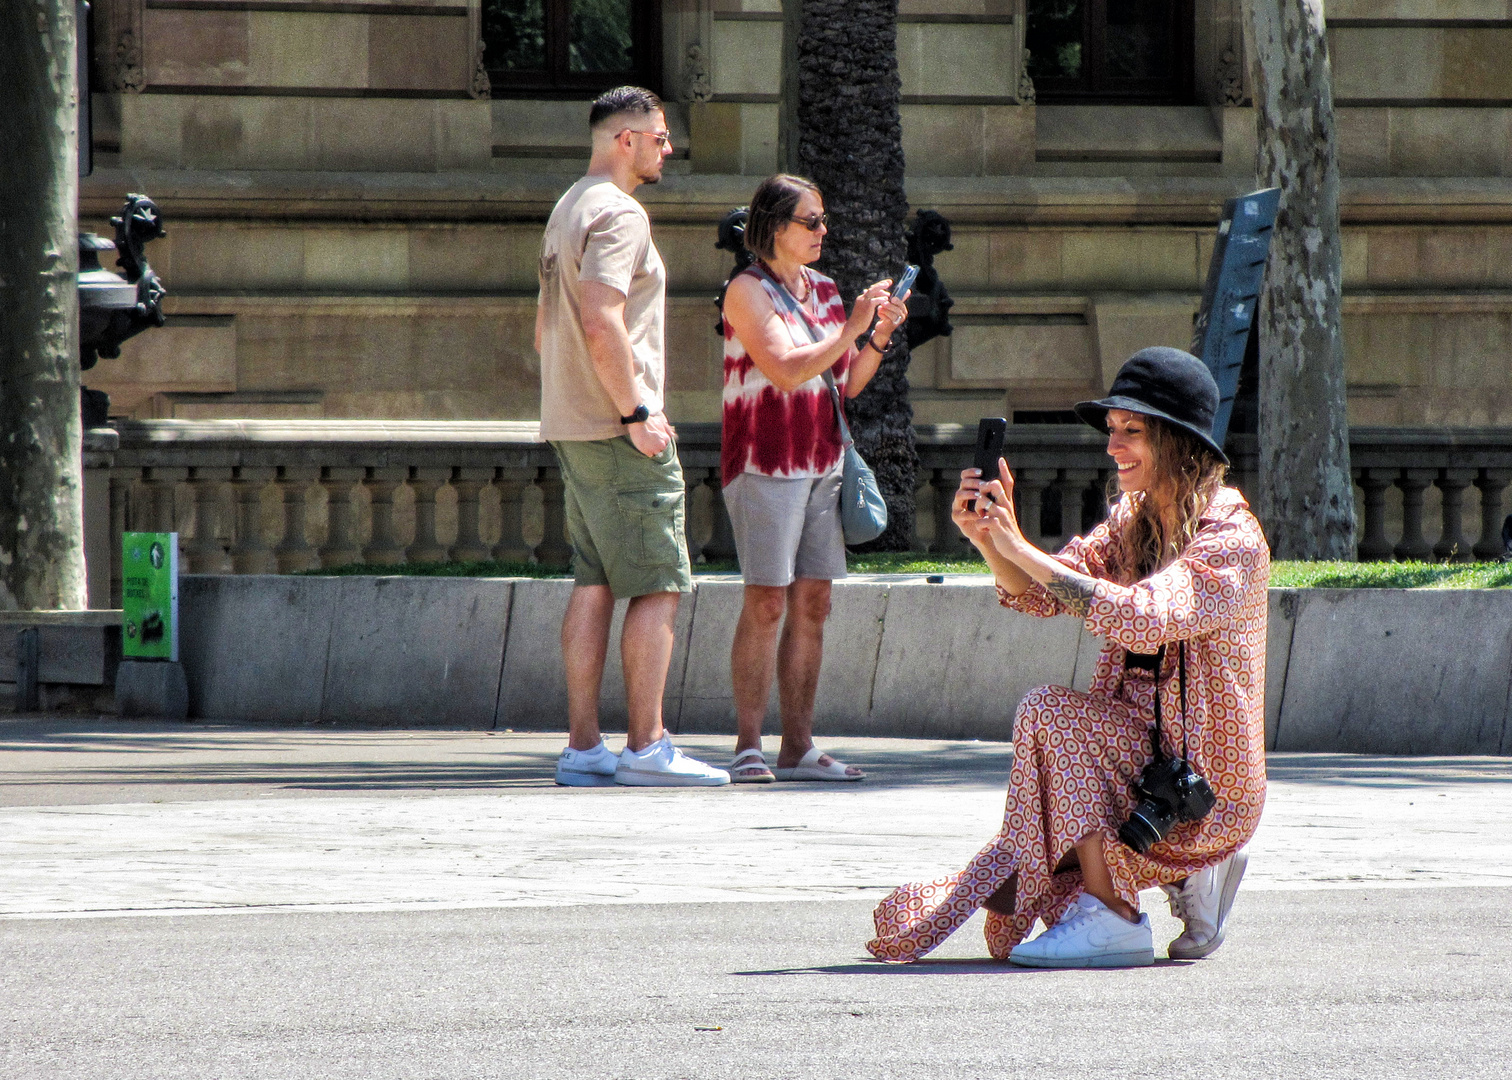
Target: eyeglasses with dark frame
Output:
[(662, 138), (812, 224)]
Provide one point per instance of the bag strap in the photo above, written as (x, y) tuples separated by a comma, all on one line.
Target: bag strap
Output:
[(1182, 680), (784, 300)]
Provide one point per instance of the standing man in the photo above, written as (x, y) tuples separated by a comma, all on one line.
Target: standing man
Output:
[(599, 331)]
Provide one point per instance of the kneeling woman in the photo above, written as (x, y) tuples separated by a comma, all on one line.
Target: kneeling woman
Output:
[(1174, 581)]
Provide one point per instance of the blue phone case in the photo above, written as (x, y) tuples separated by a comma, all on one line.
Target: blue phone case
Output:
[(910, 272)]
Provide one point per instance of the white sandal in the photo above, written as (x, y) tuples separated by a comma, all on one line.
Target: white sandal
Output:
[(743, 770), (808, 768)]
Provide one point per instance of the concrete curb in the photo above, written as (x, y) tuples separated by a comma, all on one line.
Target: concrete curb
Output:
[(1381, 671), (1398, 671)]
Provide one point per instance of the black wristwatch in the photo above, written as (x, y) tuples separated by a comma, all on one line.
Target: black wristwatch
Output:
[(639, 416)]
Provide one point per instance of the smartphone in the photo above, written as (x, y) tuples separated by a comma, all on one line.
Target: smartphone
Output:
[(910, 272), (989, 447)]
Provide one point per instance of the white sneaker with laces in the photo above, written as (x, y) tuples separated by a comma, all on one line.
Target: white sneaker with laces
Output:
[(663, 765), (586, 768), (1202, 903), (1089, 935)]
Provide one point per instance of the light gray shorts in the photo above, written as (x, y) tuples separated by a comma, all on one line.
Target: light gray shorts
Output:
[(786, 528)]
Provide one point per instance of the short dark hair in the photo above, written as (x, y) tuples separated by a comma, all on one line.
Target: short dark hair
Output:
[(771, 208), (622, 99)]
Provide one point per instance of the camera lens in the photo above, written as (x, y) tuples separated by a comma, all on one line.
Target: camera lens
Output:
[(1147, 825)]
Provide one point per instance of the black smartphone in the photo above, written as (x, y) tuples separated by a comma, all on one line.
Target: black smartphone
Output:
[(989, 447), (910, 272)]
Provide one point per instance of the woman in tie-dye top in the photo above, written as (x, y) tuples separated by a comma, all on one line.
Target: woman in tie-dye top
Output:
[(780, 462)]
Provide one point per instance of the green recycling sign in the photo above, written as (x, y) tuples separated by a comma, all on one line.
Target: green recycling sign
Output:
[(149, 596)]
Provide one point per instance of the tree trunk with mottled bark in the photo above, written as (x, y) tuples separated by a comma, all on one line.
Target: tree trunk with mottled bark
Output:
[(41, 501), (849, 141), (1306, 494)]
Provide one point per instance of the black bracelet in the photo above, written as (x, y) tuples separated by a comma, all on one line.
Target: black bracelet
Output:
[(881, 349)]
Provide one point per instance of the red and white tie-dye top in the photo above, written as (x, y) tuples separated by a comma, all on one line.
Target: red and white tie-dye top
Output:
[(772, 433)]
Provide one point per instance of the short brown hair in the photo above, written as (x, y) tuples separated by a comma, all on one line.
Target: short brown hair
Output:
[(771, 208)]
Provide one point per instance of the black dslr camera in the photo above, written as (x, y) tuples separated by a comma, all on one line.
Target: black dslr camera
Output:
[(1169, 789)]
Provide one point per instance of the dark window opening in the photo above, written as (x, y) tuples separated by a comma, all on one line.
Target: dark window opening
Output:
[(1086, 51), (571, 48)]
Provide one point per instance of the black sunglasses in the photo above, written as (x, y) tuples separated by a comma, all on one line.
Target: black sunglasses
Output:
[(812, 224)]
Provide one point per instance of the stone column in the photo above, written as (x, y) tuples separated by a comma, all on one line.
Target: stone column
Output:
[(1413, 483), (469, 483), (1030, 485), (947, 538), (340, 483), (122, 495), (554, 549), (721, 545), (207, 551), (426, 548), (1492, 482), (295, 552), (1374, 547), (162, 491), (1072, 483), (383, 548), (1453, 544), (511, 484), (693, 511), (251, 554)]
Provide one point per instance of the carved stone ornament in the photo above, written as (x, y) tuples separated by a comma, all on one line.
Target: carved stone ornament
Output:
[(1230, 79), (129, 78), (697, 86), (480, 88), (1025, 83)]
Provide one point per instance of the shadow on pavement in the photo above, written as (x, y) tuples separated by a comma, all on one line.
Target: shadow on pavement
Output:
[(974, 965)]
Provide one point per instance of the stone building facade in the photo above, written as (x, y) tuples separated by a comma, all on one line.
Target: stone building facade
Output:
[(355, 191)]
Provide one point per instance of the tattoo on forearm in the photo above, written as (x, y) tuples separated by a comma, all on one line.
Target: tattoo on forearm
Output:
[(1072, 590)]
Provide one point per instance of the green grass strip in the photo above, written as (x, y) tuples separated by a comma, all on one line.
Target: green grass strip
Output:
[(1390, 575), (1285, 575)]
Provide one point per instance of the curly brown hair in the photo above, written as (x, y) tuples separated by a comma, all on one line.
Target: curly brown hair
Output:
[(1191, 474)]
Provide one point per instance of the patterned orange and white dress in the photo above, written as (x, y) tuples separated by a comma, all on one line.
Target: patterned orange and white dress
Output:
[(1075, 754)]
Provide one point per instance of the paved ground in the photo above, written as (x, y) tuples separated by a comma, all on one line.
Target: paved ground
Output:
[(427, 904)]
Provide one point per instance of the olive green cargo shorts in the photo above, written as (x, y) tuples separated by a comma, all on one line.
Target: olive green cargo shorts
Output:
[(625, 517)]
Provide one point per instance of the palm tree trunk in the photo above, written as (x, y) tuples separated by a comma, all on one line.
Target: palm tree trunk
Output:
[(1306, 493), (41, 501), (850, 143)]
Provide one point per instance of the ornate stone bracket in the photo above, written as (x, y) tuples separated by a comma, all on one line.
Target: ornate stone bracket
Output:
[(696, 82), (118, 26), (1025, 93), (1230, 78), (478, 85)]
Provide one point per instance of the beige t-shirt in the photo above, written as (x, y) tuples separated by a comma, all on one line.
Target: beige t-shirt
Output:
[(597, 233)]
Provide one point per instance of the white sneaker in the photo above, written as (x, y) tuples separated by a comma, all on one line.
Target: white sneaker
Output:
[(1089, 935), (1202, 902), (586, 768), (663, 765)]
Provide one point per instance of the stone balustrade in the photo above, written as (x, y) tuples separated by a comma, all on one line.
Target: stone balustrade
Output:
[(262, 496), (1426, 467)]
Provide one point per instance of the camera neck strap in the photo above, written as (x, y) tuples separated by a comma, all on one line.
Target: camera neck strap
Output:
[(1181, 677)]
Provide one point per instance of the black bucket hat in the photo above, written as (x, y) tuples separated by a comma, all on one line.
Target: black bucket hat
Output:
[(1163, 382)]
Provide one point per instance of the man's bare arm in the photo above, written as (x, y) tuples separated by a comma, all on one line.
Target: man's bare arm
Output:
[(608, 341)]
